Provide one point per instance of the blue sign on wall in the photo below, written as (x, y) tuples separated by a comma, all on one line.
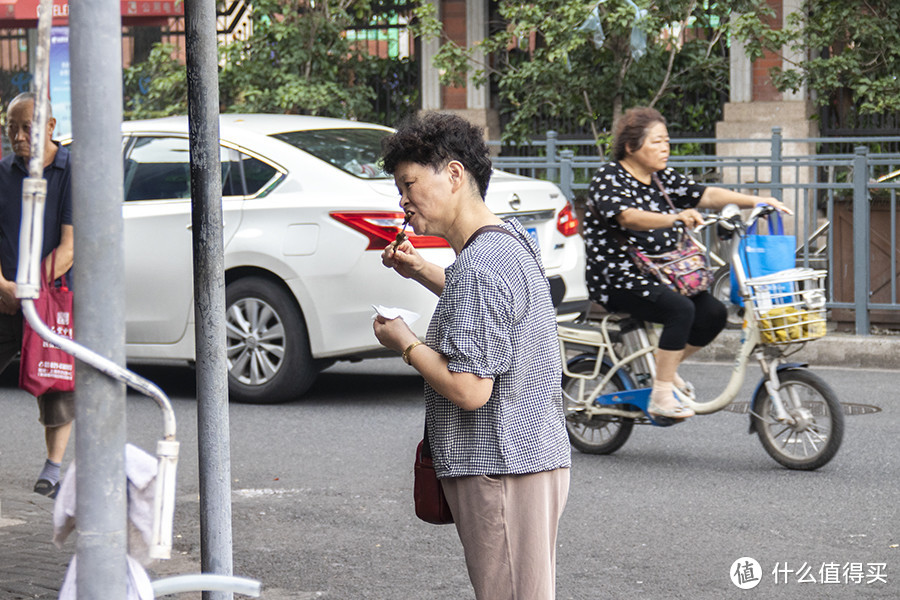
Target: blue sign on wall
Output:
[(60, 81)]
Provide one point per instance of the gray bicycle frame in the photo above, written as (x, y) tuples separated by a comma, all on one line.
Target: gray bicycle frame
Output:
[(750, 347)]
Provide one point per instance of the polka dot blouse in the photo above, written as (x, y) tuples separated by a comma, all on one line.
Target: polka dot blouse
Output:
[(612, 191)]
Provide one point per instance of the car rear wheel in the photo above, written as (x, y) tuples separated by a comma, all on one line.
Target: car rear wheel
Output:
[(267, 344)]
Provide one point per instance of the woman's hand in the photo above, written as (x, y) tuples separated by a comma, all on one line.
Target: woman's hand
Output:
[(403, 258), (777, 204), (407, 261), (691, 218), (394, 334), (9, 304), (716, 198)]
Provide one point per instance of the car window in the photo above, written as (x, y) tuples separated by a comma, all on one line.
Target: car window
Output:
[(158, 168), (256, 173), (354, 151)]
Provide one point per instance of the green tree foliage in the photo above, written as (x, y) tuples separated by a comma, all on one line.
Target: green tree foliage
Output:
[(298, 60), (547, 61), (156, 87), (846, 45)]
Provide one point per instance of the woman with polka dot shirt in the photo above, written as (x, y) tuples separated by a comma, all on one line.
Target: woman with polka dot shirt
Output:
[(625, 207)]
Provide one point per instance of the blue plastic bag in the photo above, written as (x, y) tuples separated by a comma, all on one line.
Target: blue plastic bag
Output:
[(765, 254)]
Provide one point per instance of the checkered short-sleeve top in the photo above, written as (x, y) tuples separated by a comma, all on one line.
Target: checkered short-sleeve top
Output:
[(495, 319)]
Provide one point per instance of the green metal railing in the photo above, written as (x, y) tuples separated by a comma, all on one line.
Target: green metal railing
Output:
[(845, 204)]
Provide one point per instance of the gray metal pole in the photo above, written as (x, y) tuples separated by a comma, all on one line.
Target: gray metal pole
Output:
[(98, 277), (552, 136), (209, 291), (777, 192), (861, 239), (567, 175)]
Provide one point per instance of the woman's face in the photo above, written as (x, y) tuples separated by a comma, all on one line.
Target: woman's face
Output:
[(423, 195), (654, 152)]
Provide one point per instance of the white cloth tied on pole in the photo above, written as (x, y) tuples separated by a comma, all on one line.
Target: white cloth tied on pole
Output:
[(140, 472)]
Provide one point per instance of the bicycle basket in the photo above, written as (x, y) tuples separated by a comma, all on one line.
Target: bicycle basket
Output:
[(789, 306)]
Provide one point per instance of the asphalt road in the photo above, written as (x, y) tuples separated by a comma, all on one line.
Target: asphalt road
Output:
[(322, 497)]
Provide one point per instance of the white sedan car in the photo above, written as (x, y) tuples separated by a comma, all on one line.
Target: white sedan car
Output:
[(306, 215)]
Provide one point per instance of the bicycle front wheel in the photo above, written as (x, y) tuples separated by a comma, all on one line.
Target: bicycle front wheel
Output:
[(593, 434), (817, 427)]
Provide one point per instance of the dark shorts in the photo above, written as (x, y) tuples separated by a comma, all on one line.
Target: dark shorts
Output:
[(56, 408)]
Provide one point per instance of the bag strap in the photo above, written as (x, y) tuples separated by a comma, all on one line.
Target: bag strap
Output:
[(663, 190), (620, 237), (499, 229), (49, 282), (683, 229), (52, 266), (773, 218)]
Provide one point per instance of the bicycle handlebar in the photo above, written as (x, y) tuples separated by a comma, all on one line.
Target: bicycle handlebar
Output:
[(734, 221)]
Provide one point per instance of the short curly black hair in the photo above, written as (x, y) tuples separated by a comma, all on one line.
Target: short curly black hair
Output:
[(434, 139)]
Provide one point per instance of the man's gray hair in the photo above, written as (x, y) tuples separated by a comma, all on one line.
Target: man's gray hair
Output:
[(30, 97)]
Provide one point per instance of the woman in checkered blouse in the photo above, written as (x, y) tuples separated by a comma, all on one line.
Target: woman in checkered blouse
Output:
[(493, 402)]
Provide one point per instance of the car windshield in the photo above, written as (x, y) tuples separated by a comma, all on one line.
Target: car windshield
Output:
[(354, 151)]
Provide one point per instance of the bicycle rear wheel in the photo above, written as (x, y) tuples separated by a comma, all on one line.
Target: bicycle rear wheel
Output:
[(593, 434), (818, 428)]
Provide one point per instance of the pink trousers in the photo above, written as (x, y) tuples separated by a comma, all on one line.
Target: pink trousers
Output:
[(507, 525)]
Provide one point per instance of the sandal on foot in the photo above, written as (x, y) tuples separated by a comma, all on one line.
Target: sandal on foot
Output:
[(678, 412), (45, 488), (688, 390)]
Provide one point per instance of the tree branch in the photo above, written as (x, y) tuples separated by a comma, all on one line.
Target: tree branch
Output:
[(672, 53), (587, 102)]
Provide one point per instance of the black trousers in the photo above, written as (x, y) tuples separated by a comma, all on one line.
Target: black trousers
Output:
[(696, 320)]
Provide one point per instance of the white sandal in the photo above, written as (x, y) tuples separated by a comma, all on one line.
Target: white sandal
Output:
[(687, 388), (678, 412)]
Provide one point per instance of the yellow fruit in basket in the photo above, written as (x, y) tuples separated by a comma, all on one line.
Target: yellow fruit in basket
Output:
[(814, 324), (780, 325)]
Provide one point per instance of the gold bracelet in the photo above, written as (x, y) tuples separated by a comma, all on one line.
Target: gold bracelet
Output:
[(409, 349)]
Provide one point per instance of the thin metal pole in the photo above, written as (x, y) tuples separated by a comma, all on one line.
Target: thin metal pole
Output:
[(552, 136), (209, 292), (567, 175), (98, 276), (777, 192), (861, 239)]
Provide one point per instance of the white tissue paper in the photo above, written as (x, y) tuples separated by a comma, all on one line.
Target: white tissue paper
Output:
[(390, 312)]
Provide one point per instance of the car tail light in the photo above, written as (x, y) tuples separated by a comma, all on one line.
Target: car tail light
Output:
[(567, 222), (382, 227)]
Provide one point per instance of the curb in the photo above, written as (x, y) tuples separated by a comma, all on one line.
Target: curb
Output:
[(836, 350)]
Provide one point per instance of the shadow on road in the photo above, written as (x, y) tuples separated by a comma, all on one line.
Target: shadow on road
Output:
[(338, 386), (179, 381)]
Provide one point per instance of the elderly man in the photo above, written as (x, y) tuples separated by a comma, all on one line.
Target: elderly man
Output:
[(56, 409)]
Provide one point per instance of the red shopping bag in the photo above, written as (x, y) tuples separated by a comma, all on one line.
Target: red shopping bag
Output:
[(44, 367)]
